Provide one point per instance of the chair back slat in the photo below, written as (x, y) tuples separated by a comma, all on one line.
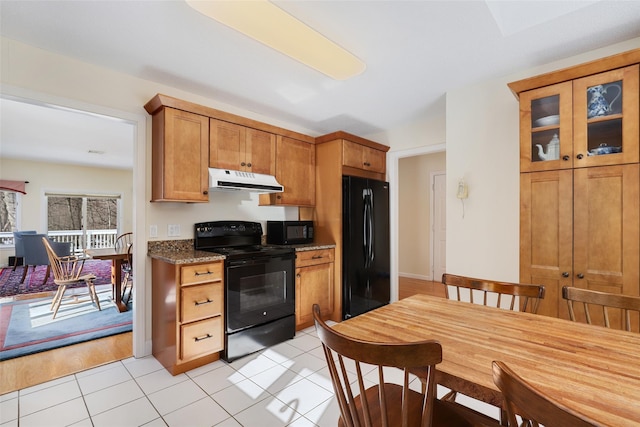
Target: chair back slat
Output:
[(613, 310), (524, 400), (528, 295)]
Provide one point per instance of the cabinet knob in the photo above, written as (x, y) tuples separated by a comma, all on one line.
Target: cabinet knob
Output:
[(205, 192), (565, 274), (243, 164), (298, 275), (565, 158), (580, 276), (367, 164), (249, 164), (580, 156)]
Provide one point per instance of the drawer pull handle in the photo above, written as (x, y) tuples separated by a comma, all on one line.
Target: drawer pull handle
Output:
[(206, 337), (208, 301), (317, 257), (203, 274)]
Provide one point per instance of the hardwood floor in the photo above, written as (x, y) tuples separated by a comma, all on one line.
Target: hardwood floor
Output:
[(408, 287), (26, 371)]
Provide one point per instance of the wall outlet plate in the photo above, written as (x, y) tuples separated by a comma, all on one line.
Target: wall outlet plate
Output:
[(173, 230), (153, 231)]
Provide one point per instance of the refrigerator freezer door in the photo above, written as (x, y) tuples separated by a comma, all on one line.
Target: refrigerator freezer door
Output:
[(365, 263)]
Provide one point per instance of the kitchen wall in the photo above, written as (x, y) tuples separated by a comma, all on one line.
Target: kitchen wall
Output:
[(50, 177)]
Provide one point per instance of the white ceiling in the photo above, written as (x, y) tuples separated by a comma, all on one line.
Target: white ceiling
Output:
[(415, 52)]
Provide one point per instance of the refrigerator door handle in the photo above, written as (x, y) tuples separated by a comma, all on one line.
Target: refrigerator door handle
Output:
[(372, 254), (367, 196)]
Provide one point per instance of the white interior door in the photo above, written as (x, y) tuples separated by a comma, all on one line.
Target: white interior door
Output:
[(438, 225)]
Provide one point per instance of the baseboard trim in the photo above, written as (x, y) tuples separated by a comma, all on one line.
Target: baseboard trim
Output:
[(415, 276)]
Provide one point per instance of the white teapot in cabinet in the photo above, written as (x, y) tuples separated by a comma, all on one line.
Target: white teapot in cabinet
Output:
[(553, 149)]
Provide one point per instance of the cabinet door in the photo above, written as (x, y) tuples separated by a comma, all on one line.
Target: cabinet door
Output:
[(260, 153), (606, 229), (226, 145), (314, 285), (295, 170), (362, 157), (546, 128), (180, 156), (606, 118), (546, 235)]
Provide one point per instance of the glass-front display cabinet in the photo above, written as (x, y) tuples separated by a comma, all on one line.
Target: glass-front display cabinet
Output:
[(605, 122), (546, 128), (592, 121)]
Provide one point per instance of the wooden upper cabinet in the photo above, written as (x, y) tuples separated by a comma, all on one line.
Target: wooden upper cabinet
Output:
[(605, 118), (363, 157), (179, 156), (236, 147), (546, 133), (591, 121), (295, 170)]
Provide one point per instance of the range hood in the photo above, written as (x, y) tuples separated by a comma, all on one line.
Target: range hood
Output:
[(225, 179)]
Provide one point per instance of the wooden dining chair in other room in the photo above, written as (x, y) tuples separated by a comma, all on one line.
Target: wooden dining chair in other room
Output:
[(67, 270), (379, 402), (122, 243), (603, 308), (18, 245), (524, 400), (127, 279)]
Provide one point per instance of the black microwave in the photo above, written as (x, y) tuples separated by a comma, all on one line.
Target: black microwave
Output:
[(289, 232)]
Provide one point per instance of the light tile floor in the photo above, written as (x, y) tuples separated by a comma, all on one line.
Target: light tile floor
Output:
[(285, 385)]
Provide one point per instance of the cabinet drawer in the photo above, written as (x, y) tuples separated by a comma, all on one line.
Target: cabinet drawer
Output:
[(201, 338), (321, 256), (202, 273), (199, 302)]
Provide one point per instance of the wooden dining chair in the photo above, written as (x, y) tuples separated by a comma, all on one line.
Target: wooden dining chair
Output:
[(490, 293), (127, 279), (367, 366), (494, 293), (534, 407), (123, 242), (67, 270), (603, 308)]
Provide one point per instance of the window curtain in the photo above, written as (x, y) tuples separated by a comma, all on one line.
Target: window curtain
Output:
[(17, 186)]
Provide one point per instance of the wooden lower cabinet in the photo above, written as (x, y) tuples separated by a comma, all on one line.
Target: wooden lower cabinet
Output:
[(187, 314), (580, 228), (314, 285)]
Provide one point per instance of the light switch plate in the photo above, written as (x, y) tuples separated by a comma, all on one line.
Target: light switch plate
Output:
[(153, 231), (173, 230)]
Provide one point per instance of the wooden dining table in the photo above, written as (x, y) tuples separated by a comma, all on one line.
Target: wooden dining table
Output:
[(117, 257), (592, 369)]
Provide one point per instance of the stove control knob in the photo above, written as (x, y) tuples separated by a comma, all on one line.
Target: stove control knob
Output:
[(264, 313)]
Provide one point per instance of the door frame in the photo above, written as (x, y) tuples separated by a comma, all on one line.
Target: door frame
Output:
[(141, 345), (432, 215), (394, 208)]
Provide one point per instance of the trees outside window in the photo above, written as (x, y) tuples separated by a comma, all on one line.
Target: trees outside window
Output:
[(86, 221)]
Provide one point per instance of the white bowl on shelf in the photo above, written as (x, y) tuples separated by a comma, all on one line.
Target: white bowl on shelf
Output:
[(547, 121)]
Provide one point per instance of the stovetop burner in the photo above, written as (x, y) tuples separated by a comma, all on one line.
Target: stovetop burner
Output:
[(234, 239)]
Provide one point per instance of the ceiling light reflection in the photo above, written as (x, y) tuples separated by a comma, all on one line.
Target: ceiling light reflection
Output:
[(272, 26)]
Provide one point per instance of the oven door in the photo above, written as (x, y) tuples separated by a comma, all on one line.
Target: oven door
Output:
[(259, 290)]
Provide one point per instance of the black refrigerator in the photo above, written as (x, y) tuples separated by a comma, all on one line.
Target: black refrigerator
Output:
[(365, 245)]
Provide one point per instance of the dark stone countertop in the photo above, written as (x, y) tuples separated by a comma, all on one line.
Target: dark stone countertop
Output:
[(182, 252)]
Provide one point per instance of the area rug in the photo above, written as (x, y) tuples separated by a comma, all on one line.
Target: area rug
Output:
[(27, 326), (10, 280)]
